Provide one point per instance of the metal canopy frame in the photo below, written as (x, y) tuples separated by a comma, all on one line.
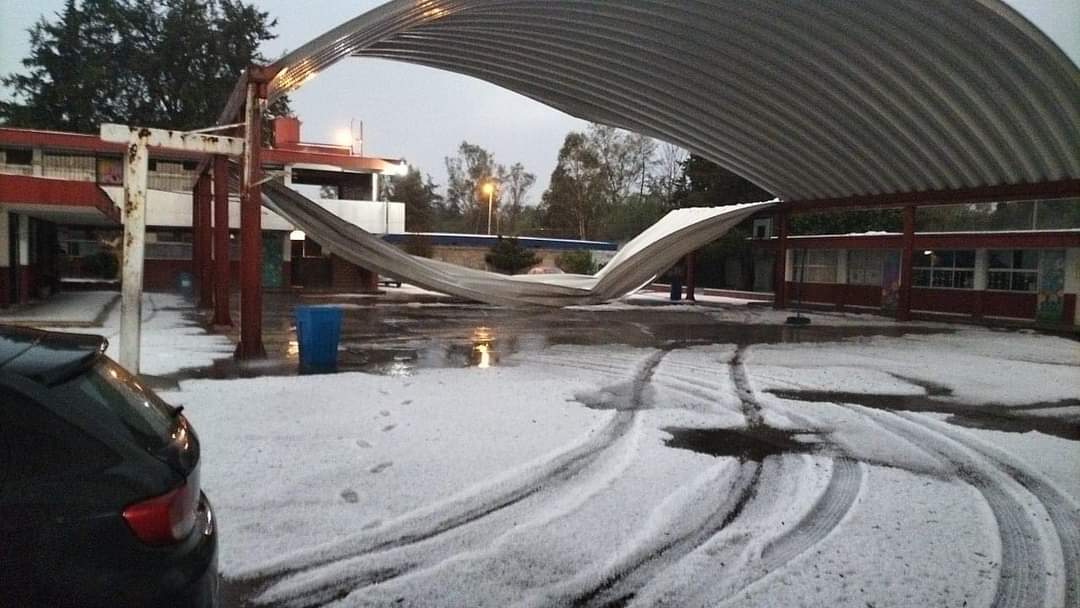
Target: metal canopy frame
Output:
[(810, 100), (136, 162)]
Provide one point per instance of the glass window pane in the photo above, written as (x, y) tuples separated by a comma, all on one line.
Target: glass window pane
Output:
[(964, 279), (999, 280), (1024, 281), (1000, 258), (921, 278), (943, 278), (1028, 259), (965, 259), (943, 259), (921, 259)]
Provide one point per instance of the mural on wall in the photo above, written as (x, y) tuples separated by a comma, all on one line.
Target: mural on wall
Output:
[(890, 281), (1051, 299), (273, 256)]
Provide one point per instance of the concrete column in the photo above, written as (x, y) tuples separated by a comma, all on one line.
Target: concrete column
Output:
[(5, 238), (982, 269), (981, 280), (375, 188), (134, 247), (221, 241), (780, 270), (38, 162), (251, 346), (24, 241), (203, 235), (841, 278), (903, 306)]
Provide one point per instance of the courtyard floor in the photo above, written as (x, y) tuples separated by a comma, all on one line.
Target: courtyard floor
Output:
[(635, 454)]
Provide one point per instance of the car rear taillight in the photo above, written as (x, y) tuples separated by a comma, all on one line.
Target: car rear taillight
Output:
[(165, 519)]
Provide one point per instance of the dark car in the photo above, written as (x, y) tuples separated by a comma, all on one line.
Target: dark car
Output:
[(100, 502)]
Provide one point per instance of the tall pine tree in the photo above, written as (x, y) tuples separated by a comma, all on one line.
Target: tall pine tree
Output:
[(157, 63)]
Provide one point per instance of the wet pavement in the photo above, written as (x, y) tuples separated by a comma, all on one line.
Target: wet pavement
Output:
[(397, 336), (754, 443)]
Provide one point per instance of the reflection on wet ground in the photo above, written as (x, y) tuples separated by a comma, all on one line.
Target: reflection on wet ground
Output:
[(398, 337), (753, 443), (988, 416)]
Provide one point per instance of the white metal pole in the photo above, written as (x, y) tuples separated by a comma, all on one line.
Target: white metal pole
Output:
[(490, 194), (134, 212)]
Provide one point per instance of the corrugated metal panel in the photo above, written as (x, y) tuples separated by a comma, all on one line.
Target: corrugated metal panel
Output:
[(809, 99)]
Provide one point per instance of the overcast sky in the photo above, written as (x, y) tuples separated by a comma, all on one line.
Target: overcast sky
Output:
[(423, 114)]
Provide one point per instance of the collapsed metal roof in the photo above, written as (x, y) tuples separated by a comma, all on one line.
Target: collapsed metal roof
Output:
[(808, 99)]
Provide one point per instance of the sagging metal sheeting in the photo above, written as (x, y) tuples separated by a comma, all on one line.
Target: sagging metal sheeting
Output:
[(810, 99), (636, 264)]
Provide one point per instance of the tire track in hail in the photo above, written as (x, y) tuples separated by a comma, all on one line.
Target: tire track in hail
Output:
[(1020, 580), (1064, 513), (835, 502), (557, 472), (620, 585)]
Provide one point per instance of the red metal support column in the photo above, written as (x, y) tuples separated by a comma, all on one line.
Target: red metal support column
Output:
[(780, 264), (221, 241), (203, 256), (691, 276), (195, 243), (251, 346), (903, 305)]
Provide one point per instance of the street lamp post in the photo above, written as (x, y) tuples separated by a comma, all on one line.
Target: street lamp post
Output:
[(489, 190)]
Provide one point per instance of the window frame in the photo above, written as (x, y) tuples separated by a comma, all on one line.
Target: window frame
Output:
[(798, 272), (1012, 270), (952, 269)]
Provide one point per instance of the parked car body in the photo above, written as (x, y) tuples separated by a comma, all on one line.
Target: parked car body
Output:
[(100, 503)]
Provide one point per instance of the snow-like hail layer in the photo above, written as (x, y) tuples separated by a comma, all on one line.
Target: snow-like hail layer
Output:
[(498, 487)]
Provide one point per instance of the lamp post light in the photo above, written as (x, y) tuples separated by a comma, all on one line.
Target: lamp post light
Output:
[(489, 190)]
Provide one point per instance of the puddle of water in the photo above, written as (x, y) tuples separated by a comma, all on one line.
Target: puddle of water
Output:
[(753, 443), (991, 416)]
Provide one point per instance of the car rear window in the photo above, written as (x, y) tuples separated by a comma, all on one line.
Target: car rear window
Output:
[(117, 393)]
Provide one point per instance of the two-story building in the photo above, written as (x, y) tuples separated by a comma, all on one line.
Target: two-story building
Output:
[(60, 219)]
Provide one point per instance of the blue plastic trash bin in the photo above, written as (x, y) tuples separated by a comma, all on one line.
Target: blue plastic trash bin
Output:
[(318, 330)]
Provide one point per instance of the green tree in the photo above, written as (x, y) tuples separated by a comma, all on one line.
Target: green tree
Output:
[(508, 256), (706, 184), (575, 199), (576, 262), (420, 198), (465, 204), (157, 63), (515, 182)]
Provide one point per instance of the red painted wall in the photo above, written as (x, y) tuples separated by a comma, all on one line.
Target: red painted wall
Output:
[(960, 301), (1006, 304)]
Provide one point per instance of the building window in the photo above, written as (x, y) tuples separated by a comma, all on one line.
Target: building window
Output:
[(865, 266), (18, 157), (70, 166), (952, 269), (821, 266), (1013, 270)]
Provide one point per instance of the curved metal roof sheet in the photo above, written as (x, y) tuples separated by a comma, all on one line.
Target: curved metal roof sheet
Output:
[(809, 99)]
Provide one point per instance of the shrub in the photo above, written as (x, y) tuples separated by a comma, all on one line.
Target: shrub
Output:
[(576, 262), (508, 256)]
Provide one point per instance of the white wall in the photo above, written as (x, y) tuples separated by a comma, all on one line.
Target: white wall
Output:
[(376, 217), (173, 209)]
